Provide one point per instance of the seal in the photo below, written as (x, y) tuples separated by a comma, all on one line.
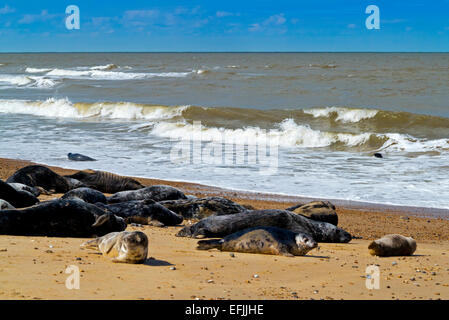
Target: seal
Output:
[(60, 218), (5, 205), (143, 212), (199, 208), (392, 245), (125, 246), (318, 211), (79, 157), (40, 176), (264, 240), (156, 193), (105, 181), (86, 194), (221, 226), (35, 191), (18, 199), (378, 155)]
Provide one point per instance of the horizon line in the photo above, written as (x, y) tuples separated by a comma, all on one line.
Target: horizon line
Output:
[(19, 52)]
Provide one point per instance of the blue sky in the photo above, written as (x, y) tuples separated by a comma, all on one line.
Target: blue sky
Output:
[(275, 25)]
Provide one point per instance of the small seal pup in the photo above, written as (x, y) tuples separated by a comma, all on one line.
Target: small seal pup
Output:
[(86, 194), (18, 199), (264, 240), (79, 157), (318, 211), (392, 245), (40, 176), (200, 208), (5, 205), (125, 246), (105, 181), (221, 226), (156, 193)]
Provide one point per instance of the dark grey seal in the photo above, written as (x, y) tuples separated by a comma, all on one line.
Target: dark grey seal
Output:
[(221, 226), (79, 157), (40, 176), (35, 191), (264, 240), (86, 194), (105, 181), (60, 218), (18, 199), (143, 212), (199, 208), (156, 193)]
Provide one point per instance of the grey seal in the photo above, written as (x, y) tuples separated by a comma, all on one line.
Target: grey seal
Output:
[(18, 199), (317, 210), (40, 176), (264, 240), (86, 194), (125, 246), (35, 191), (156, 193), (221, 226), (79, 157), (5, 205), (60, 218), (392, 245), (105, 181)]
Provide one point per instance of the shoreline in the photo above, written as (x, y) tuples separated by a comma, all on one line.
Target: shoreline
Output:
[(33, 268)]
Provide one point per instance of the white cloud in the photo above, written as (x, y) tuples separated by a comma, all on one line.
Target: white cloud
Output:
[(7, 9), (273, 23)]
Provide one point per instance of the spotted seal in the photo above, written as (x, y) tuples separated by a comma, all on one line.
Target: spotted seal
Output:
[(143, 212), (264, 240), (200, 208), (317, 210), (105, 181), (392, 245), (156, 193), (221, 226), (18, 199), (125, 246), (86, 194), (60, 218), (40, 176)]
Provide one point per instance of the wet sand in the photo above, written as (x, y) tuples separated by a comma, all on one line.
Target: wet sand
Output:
[(34, 267)]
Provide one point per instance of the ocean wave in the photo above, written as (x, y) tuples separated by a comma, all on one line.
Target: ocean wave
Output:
[(18, 81), (110, 66), (37, 70), (110, 75), (342, 114)]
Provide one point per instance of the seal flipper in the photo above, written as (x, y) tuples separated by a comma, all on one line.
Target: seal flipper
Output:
[(210, 244), (91, 244)]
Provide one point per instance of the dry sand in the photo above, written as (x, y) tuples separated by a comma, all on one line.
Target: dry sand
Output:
[(34, 267)]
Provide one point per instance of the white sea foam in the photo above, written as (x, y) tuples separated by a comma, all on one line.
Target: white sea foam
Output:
[(343, 114), (105, 67), (36, 70), (15, 80), (110, 75)]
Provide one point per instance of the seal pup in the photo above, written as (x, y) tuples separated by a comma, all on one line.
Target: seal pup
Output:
[(200, 208), (264, 240), (40, 176), (156, 193), (60, 218), (105, 181), (86, 194), (318, 211), (5, 205), (143, 212), (221, 226), (79, 157), (125, 246), (392, 245), (18, 199)]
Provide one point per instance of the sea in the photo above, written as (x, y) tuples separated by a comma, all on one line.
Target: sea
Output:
[(303, 124)]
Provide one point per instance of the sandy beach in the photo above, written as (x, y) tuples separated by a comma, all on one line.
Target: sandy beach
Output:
[(34, 267)]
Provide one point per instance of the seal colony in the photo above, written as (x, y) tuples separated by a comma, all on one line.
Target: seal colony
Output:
[(85, 211)]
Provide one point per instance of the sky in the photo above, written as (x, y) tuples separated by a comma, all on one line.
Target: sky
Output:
[(206, 25)]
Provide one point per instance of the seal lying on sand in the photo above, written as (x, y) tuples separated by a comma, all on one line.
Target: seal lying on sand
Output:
[(143, 212), (40, 176), (18, 199), (392, 245), (125, 246), (35, 191), (317, 210), (105, 181), (86, 194), (156, 193), (79, 157), (60, 218), (200, 208), (221, 226), (264, 240), (5, 205)]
